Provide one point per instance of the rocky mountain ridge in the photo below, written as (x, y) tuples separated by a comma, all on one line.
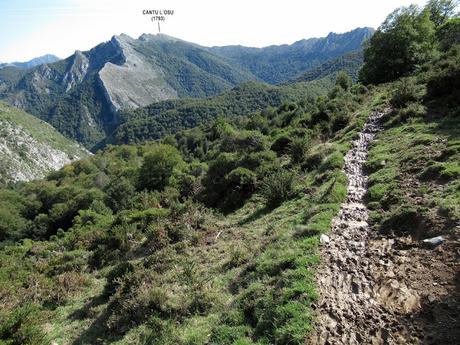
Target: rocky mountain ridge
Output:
[(82, 95)]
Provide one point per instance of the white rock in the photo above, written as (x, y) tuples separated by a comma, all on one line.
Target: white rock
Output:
[(434, 241), (324, 239)]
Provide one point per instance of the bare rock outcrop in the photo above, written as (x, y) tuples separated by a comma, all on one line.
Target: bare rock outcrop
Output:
[(135, 83)]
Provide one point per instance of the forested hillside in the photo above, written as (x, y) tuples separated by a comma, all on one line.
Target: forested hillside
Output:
[(133, 246), (350, 62), (276, 64), (242, 230), (169, 117), (83, 95)]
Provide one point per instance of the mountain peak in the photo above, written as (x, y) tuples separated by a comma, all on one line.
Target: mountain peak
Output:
[(47, 58), (159, 37)]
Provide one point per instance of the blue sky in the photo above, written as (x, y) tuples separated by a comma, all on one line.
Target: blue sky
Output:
[(31, 28)]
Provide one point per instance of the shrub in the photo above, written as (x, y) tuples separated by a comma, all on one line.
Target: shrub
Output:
[(161, 332), (298, 148), (448, 34), (278, 187), (445, 171), (281, 143), (241, 183), (407, 91), (119, 193), (22, 327), (115, 275), (343, 80), (134, 300), (158, 166), (410, 111), (332, 162), (445, 76)]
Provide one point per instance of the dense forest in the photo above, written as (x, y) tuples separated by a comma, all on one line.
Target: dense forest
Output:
[(210, 235), (169, 117)]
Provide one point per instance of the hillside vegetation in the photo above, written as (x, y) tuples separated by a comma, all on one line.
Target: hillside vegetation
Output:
[(82, 96), (130, 245), (211, 235), (277, 64), (169, 117)]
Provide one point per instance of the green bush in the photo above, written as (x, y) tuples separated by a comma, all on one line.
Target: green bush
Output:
[(445, 171), (281, 143), (444, 78), (332, 162), (343, 80), (158, 166), (298, 149), (241, 183), (407, 91), (278, 187), (448, 34), (115, 275), (411, 110), (120, 192), (22, 327)]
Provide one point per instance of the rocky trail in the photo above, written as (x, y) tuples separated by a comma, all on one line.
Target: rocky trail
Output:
[(376, 289)]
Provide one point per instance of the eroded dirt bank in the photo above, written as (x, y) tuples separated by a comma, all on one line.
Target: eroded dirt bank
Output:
[(377, 289)]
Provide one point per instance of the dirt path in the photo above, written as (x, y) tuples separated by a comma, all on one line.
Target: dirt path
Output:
[(377, 289), (360, 299)]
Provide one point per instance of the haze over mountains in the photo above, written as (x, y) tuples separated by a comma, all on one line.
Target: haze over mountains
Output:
[(48, 58), (83, 94)]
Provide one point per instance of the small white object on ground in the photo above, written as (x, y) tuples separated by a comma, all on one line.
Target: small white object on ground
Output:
[(324, 238), (434, 241)]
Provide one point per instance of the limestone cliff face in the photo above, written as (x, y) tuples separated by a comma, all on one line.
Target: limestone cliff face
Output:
[(77, 70), (83, 95), (135, 83), (31, 148)]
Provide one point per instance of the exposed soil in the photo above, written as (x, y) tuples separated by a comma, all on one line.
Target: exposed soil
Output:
[(381, 289)]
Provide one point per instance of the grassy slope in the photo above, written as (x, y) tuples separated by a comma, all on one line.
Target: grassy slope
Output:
[(31, 133), (38, 129), (414, 182), (258, 260)]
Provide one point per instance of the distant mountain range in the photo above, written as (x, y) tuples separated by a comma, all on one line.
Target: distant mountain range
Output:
[(275, 64), (82, 96), (350, 62), (48, 58)]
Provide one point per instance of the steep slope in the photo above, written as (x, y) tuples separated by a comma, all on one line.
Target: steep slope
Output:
[(391, 268), (275, 64), (207, 237), (169, 117), (80, 96), (48, 58), (31, 148), (349, 62)]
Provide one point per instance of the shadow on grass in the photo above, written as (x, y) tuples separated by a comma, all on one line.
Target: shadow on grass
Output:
[(255, 215), (97, 333)]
